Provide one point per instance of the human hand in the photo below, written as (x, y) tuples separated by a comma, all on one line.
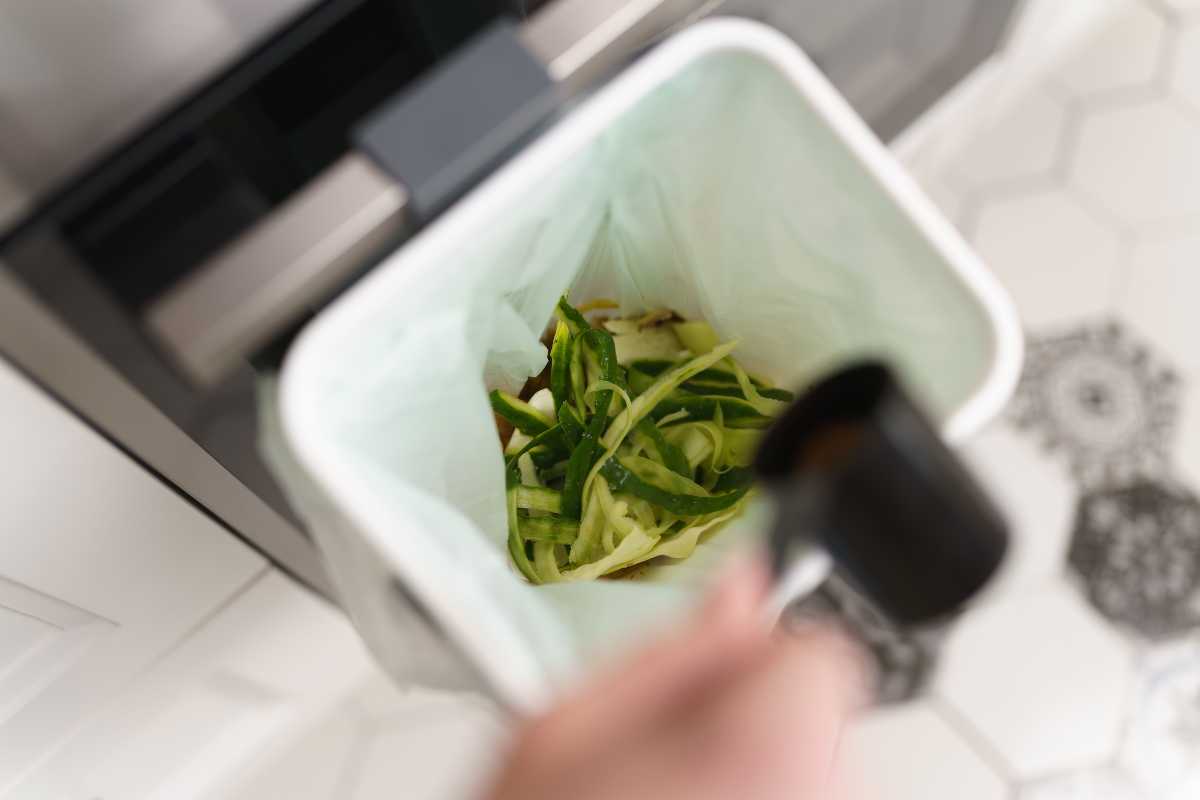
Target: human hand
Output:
[(722, 708)]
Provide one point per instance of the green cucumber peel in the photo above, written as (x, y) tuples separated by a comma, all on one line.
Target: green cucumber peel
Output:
[(524, 417), (622, 479)]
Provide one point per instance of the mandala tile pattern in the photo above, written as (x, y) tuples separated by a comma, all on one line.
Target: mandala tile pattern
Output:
[(1100, 399), (1097, 400), (1137, 549), (902, 660)]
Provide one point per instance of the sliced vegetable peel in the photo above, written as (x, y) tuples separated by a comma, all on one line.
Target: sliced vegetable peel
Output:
[(626, 459)]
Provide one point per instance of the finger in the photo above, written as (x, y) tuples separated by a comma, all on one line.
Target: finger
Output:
[(738, 594), (722, 636), (775, 729), (722, 627), (834, 632)]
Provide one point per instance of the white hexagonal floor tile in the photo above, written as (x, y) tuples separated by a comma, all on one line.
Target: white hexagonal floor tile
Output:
[(1141, 161), (1185, 72), (1022, 143), (1041, 678), (1099, 784), (1162, 746), (1037, 497), (1163, 278), (1058, 262), (909, 753), (1123, 53)]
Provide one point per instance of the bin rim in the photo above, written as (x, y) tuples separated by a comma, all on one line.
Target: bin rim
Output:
[(494, 644)]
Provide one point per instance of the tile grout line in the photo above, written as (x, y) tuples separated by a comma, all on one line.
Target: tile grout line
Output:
[(1183, 106), (972, 738), (1083, 768), (1068, 139), (1130, 707), (980, 193), (1103, 100), (1168, 55), (1128, 237), (1099, 212)]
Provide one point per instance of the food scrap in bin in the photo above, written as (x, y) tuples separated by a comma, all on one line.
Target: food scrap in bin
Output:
[(639, 441)]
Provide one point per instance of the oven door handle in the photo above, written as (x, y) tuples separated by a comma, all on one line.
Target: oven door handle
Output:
[(412, 157), (251, 290)]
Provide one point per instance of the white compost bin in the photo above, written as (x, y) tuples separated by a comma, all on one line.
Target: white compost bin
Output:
[(721, 176)]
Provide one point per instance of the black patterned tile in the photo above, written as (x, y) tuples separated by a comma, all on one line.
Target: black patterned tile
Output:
[(1100, 399), (1137, 549), (902, 660)]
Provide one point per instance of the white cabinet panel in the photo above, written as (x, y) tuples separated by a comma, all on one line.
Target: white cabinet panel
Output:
[(40, 640), (241, 689), (102, 570)]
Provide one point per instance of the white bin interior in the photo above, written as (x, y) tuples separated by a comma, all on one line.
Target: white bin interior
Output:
[(720, 176)]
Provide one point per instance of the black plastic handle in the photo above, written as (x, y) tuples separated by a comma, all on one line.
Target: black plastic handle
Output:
[(855, 463), (455, 124)]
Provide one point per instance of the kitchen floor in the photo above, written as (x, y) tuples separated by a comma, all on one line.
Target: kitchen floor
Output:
[(1078, 675)]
